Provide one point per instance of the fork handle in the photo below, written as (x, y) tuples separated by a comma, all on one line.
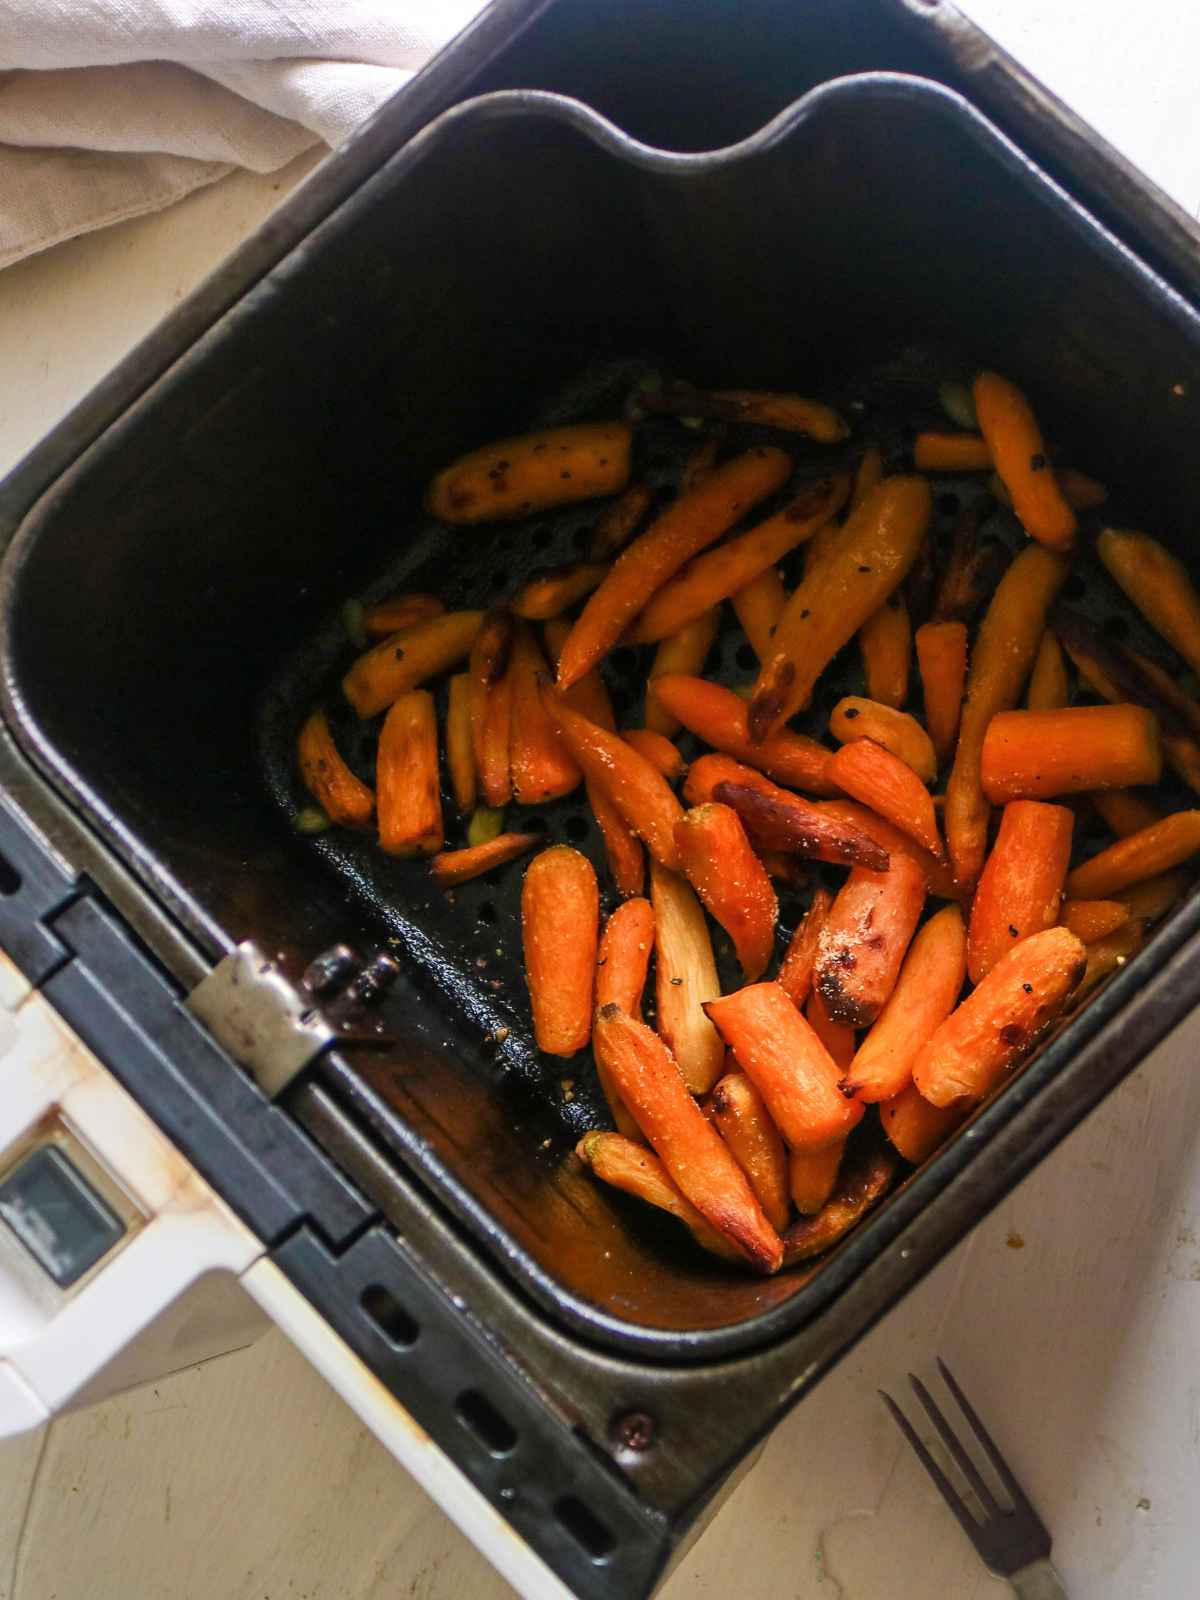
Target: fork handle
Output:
[(1038, 1581)]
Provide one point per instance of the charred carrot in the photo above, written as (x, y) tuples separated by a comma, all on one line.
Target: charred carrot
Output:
[(719, 717), (743, 1121), (1048, 681), (937, 451), (717, 574), (782, 821), (400, 612), (837, 1038), (942, 659), (533, 472), (885, 640), (788, 1065), (619, 521), (658, 751), (343, 797), (539, 761), (1007, 422), (874, 776), (1040, 754), (1156, 849), (685, 973), (1125, 811), (926, 992), (560, 917), (685, 652), (408, 800), (867, 560), (783, 868), (858, 718), (796, 971), (731, 881), (869, 929), (1152, 898), (702, 460), (628, 1165), (1008, 639), (1020, 889), (548, 594), (1002, 1019), (1090, 920), (449, 867), (707, 771), (686, 527), (695, 1156), (1159, 585), (404, 660), (1164, 684), (460, 743), (813, 1175), (758, 606), (865, 1178), (937, 872), (624, 958), (915, 1127), (973, 569), (791, 413)]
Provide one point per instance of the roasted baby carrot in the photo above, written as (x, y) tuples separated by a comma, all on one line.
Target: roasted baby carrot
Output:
[(1001, 1020), (973, 569), (627, 1164), (619, 521), (685, 652), (874, 776), (758, 606), (1090, 920), (863, 1181), (548, 594), (1004, 651), (914, 1126), (401, 662), (707, 771), (460, 743), (408, 799), (1159, 585), (343, 797), (624, 958), (560, 926), (1109, 954), (743, 1121), (782, 821), (402, 611), (1165, 684), (1156, 849), (937, 451), (868, 475), (490, 696), (514, 477), (702, 459), (812, 1176), (796, 970), (449, 867), (658, 751), (1020, 888), (885, 640), (868, 931), (719, 717), (717, 859), (1078, 490), (539, 761), (942, 661), (1125, 811), (1048, 681), (858, 718), (837, 1038), (788, 1065), (926, 992), (1039, 754), (686, 527), (866, 561), (1007, 422), (1152, 898), (685, 973), (717, 574), (937, 871), (695, 1156), (791, 413)]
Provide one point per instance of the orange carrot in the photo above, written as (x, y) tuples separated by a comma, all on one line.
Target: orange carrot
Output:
[(1008, 639), (866, 561), (796, 971), (460, 744), (937, 873), (1090, 920), (1020, 890), (696, 1158), (490, 696), (626, 1164), (885, 640), (936, 451), (513, 477), (685, 528), (624, 958), (1159, 585), (926, 992), (1125, 811), (702, 460), (1156, 849), (869, 929), (812, 1176), (560, 918), (1152, 898), (868, 476), (1007, 422), (408, 800), (551, 592), (758, 606), (719, 717), (1038, 754), (619, 522), (870, 774), (458, 866), (731, 881), (402, 611), (685, 652), (782, 868), (782, 821), (685, 977), (402, 661), (540, 763), (864, 1179), (858, 718), (343, 797), (788, 1065), (707, 771), (837, 1038), (942, 659), (914, 1126), (1002, 1019), (1048, 681), (791, 413), (658, 751), (743, 1121), (717, 574)]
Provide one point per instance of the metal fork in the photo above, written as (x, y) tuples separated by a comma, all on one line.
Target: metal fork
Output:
[(1013, 1544)]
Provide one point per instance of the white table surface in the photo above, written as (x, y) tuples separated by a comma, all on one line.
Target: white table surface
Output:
[(1072, 1315)]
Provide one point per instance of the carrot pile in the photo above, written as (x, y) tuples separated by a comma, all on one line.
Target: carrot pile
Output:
[(941, 823)]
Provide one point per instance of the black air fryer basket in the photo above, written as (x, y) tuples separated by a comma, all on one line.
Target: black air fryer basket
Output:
[(765, 194)]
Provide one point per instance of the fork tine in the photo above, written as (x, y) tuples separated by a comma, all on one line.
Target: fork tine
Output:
[(1003, 1471), (948, 1492), (955, 1446)]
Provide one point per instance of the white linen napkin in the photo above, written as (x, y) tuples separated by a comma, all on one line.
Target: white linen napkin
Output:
[(113, 108)]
